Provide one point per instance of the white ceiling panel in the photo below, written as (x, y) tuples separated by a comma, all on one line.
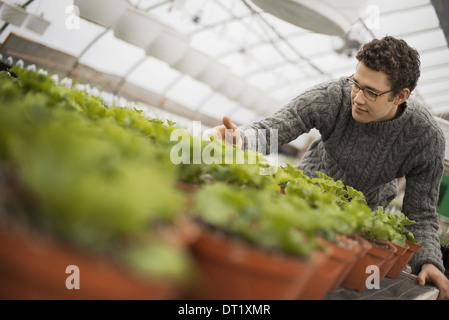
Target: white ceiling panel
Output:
[(426, 40), (407, 20), (397, 5), (213, 41), (244, 115), (431, 89), (218, 106), (434, 58), (433, 75), (189, 92), (154, 75), (112, 55), (312, 44)]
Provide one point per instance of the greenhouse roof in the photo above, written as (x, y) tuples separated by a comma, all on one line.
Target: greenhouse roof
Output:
[(239, 58)]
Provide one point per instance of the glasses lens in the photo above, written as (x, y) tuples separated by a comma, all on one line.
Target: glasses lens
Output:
[(356, 88), (370, 95)]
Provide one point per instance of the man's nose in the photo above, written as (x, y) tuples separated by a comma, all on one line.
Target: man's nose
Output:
[(360, 97)]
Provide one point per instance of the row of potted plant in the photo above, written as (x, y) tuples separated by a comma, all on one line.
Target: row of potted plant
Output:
[(98, 182), (333, 232)]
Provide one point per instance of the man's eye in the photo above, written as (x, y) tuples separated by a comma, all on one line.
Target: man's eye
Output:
[(371, 94)]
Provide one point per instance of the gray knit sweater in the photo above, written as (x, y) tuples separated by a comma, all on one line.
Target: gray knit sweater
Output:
[(370, 157)]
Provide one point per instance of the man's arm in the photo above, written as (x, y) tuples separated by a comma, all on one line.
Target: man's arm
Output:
[(317, 108), (421, 204)]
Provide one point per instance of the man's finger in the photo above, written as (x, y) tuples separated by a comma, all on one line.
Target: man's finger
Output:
[(422, 278), (228, 124)]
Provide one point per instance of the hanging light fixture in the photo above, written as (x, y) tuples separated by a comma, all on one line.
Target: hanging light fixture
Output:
[(137, 27), (192, 63), (214, 75), (12, 14), (320, 16), (36, 23), (169, 46), (102, 12), (232, 86), (249, 96)]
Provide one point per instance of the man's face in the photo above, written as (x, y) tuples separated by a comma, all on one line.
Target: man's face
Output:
[(364, 110)]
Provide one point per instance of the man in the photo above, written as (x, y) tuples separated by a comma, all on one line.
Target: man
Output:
[(372, 134)]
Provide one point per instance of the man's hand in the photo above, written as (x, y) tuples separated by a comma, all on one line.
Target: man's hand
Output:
[(431, 274), (228, 132)]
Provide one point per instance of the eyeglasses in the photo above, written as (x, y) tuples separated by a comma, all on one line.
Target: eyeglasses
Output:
[(370, 95)]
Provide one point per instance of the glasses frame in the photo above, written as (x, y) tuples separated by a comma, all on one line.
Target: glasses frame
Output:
[(356, 85)]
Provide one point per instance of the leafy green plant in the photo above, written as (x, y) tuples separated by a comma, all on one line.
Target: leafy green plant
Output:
[(260, 217), (444, 241), (290, 222), (103, 178), (341, 209), (225, 164), (396, 221), (100, 178)]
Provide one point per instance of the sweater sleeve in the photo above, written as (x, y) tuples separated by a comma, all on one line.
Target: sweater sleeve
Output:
[(421, 203), (314, 108)]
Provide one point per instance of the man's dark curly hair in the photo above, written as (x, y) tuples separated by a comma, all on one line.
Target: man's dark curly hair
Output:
[(394, 57)]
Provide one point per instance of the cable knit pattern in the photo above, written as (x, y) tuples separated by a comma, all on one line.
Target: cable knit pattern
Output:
[(371, 156)]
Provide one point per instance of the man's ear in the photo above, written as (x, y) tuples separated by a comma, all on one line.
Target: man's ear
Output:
[(402, 96)]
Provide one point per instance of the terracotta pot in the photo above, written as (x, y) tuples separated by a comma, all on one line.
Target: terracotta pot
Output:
[(329, 274), (392, 263), (402, 261), (318, 280), (34, 267), (379, 252), (361, 247), (232, 270), (412, 246)]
